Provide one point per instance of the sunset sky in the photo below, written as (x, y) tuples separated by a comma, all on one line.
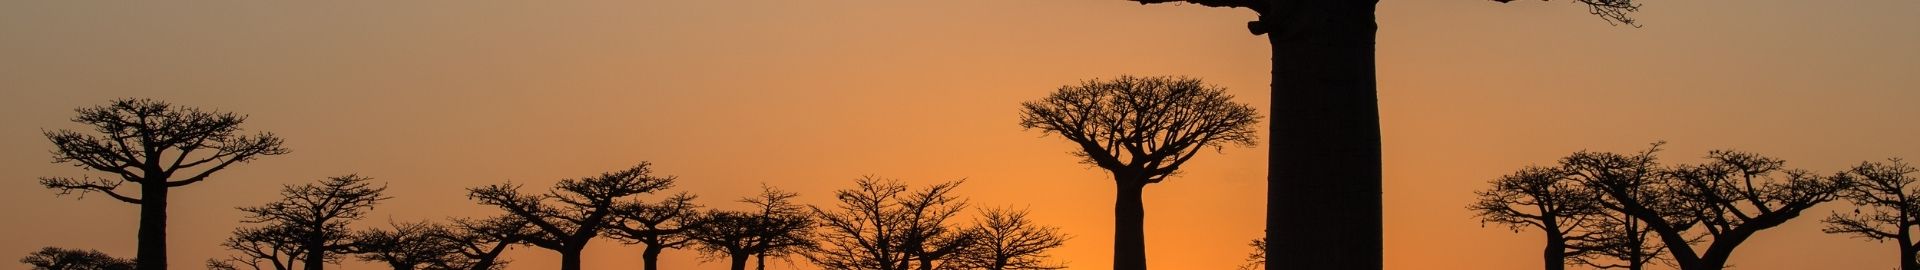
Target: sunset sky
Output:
[(433, 97)]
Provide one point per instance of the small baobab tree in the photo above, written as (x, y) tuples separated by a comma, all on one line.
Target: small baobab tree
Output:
[(575, 211), (1542, 198), (407, 245), (1888, 207), (481, 241), (1006, 240), (1141, 130), (659, 225), (880, 224), (54, 258), (316, 215)]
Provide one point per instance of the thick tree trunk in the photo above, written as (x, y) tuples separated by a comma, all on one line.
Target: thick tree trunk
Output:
[(570, 259), (738, 261), (650, 258), (1323, 185), (1555, 254), (315, 250), (1129, 237), (152, 250)]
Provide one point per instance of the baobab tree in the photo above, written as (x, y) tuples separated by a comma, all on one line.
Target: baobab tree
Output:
[(483, 240), (1141, 130), (1721, 203), (316, 215), (740, 235), (1542, 198), (790, 224), (575, 211), (1888, 207), (407, 245), (1006, 240), (1324, 157), (658, 226), (261, 248), (156, 146), (881, 225), (54, 258)]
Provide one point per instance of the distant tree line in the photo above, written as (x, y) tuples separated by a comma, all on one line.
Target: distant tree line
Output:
[(1607, 210), (1139, 129), (313, 225)]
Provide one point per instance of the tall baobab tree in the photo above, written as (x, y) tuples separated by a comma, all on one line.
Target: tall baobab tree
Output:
[(156, 146), (659, 226), (316, 215), (1141, 130), (1888, 207), (1324, 157), (575, 211)]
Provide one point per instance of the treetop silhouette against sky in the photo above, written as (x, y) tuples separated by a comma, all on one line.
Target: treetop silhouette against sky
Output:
[(431, 97)]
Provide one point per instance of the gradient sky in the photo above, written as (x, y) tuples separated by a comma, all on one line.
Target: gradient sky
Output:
[(437, 96)]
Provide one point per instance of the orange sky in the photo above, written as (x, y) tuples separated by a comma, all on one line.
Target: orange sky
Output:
[(437, 96)]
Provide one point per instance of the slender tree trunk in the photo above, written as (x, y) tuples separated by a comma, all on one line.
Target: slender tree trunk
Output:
[(1129, 239), (760, 261), (1907, 250), (152, 250), (738, 261), (650, 257), (570, 258), (1323, 182)]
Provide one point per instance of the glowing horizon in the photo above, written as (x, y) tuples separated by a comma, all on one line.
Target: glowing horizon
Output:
[(436, 97)]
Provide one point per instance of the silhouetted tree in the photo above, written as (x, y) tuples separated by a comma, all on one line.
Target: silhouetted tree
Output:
[(317, 215), (483, 240), (789, 224), (777, 228), (1722, 203), (658, 226), (1887, 207), (880, 225), (1141, 129), (1618, 241), (575, 210), (1257, 259), (155, 146), (407, 246), (276, 246), (738, 235), (1324, 161), (53, 258), (1542, 198), (1007, 240)]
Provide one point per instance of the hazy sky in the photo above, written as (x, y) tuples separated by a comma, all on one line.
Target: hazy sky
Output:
[(433, 97)]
